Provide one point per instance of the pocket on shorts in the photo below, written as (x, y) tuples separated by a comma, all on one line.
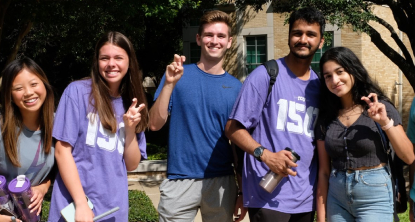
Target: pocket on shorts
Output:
[(375, 179), (163, 183)]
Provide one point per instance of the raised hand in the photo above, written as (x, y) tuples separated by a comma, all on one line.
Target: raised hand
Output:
[(377, 110), (133, 116), (174, 71)]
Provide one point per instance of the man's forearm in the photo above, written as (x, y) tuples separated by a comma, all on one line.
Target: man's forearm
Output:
[(237, 133), (159, 111)]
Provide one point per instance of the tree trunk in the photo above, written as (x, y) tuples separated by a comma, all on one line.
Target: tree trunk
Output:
[(406, 65), (4, 4), (23, 32)]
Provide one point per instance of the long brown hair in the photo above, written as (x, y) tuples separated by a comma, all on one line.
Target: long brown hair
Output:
[(130, 87), (10, 113)]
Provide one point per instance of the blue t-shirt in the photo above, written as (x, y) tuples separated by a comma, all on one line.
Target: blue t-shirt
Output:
[(97, 152), (199, 108), (411, 123), (285, 118), (410, 132)]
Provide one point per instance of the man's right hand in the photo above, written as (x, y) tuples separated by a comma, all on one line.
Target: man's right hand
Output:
[(174, 71), (280, 162)]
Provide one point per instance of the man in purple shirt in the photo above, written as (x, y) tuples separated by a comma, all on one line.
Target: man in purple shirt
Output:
[(264, 125)]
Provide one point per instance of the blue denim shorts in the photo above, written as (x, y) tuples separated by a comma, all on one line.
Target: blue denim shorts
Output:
[(361, 195)]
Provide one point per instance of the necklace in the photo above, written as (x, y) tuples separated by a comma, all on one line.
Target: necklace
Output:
[(347, 117), (353, 113)]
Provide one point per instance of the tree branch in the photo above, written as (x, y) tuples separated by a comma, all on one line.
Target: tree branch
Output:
[(407, 67), (398, 13), (4, 5), (396, 38), (23, 32)]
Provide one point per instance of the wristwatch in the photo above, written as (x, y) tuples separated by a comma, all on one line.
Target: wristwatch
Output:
[(258, 153)]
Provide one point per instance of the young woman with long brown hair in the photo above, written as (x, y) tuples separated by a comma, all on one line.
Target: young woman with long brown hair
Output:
[(99, 133), (26, 120)]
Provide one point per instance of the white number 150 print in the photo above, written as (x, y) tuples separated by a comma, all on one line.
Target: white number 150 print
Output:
[(106, 140), (290, 109)]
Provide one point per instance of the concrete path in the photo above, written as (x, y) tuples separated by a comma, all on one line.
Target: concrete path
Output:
[(153, 192)]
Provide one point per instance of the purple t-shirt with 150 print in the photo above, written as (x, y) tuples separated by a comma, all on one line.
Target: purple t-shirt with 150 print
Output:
[(97, 152), (284, 119)]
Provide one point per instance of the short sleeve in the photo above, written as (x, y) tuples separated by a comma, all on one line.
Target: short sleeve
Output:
[(251, 99), (411, 123), (159, 88), (319, 130), (392, 113), (141, 138), (66, 123)]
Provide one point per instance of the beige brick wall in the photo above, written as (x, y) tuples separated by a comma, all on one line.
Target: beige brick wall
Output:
[(230, 56), (253, 19), (281, 48)]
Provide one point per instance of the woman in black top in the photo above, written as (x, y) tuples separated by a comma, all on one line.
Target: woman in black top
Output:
[(349, 144)]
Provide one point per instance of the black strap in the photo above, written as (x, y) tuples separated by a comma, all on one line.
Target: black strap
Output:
[(386, 147), (272, 69)]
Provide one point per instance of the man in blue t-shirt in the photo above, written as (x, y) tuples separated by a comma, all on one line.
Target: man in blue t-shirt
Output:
[(283, 118), (199, 98)]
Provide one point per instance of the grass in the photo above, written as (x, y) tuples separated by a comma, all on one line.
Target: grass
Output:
[(404, 217)]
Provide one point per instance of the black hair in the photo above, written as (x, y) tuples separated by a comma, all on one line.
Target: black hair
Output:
[(310, 15), (362, 85)]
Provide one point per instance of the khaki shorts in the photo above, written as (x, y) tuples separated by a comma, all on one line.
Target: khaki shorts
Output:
[(180, 199)]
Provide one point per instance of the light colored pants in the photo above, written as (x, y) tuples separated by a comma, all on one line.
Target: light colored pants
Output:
[(361, 196), (180, 199)]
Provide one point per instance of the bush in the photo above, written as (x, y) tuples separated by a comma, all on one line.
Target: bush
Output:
[(156, 152), (141, 207), (45, 206)]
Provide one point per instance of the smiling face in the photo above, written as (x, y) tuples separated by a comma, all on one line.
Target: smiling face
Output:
[(305, 39), (28, 92), (214, 41), (337, 80), (113, 65)]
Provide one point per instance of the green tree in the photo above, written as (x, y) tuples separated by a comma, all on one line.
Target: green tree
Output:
[(61, 34), (358, 14)]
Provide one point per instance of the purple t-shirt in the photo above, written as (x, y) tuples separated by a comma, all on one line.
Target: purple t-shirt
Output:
[(97, 152), (284, 119)]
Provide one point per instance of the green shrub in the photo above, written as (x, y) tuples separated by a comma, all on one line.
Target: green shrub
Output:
[(45, 206), (155, 152), (141, 207)]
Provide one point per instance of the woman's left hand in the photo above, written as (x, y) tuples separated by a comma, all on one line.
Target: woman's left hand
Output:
[(37, 199), (377, 110), (133, 116)]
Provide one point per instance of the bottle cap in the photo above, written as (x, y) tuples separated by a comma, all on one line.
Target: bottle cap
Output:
[(19, 184), (293, 153)]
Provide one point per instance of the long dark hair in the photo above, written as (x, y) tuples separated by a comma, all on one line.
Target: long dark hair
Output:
[(362, 85), (10, 113), (130, 87)]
